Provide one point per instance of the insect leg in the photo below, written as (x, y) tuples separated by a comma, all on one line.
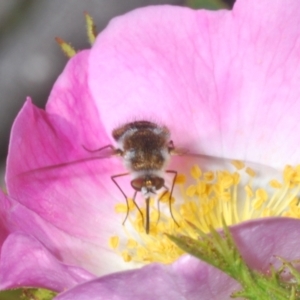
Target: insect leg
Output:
[(147, 215), (113, 178), (136, 207), (171, 146), (171, 193)]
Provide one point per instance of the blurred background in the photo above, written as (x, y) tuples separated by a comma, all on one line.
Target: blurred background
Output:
[(30, 59)]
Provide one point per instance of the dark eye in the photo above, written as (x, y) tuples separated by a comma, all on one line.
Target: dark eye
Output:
[(137, 184), (158, 182)]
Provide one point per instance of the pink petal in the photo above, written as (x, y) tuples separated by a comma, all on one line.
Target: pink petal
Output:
[(78, 199), (212, 77), (226, 82), (153, 282), (26, 262), (64, 247), (190, 278), (70, 99), (65, 195), (70, 122), (91, 255), (5, 206), (261, 240)]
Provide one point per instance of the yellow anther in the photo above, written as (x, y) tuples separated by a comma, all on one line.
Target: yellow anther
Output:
[(288, 174), (142, 253), (191, 191), (275, 184), (250, 172), (296, 178), (227, 182), (238, 164), (180, 179), (155, 215), (294, 212), (297, 171), (165, 198), (126, 256), (131, 243), (209, 176), (213, 195), (122, 207), (196, 172), (261, 194), (114, 242), (201, 188)]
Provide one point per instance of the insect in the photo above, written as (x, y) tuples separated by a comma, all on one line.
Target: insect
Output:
[(145, 148)]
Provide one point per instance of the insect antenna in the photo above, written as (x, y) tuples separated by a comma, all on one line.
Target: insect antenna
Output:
[(99, 149)]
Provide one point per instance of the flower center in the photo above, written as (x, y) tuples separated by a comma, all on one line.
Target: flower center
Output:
[(205, 198)]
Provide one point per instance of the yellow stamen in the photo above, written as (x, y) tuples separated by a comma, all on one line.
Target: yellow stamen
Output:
[(196, 172), (122, 207), (126, 256), (250, 172), (209, 176), (275, 184), (131, 243), (180, 179), (209, 196), (238, 164), (114, 242)]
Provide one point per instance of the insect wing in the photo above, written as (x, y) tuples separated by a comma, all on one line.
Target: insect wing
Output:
[(45, 180), (69, 194), (56, 168)]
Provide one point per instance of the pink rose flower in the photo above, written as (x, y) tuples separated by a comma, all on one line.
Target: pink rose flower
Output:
[(225, 83)]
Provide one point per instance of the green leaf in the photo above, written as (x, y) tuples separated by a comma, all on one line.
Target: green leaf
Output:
[(220, 251), (27, 294), (10, 295), (207, 4), (37, 294)]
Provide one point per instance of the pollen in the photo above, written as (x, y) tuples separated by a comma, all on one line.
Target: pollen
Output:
[(204, 198)]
